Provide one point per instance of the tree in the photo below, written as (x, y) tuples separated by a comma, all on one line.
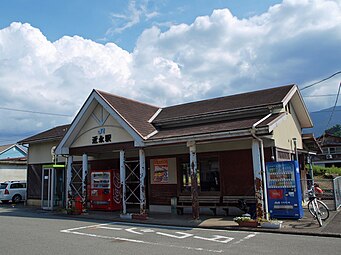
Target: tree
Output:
[(334, 130)]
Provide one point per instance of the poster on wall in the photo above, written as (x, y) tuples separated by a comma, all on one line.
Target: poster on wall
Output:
[(160, 171)]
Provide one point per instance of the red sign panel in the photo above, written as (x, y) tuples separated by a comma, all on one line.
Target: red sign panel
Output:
[(276, 193)]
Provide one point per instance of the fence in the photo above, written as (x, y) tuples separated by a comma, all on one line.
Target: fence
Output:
[(331, 191), (337, 191)]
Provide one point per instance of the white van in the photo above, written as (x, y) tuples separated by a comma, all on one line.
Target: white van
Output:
[(14, 191)]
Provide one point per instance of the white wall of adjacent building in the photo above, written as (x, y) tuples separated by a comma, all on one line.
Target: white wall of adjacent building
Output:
[(12, 172)]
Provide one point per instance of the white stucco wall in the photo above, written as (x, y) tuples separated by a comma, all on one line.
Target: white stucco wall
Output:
[(40, 153), (286, 130)]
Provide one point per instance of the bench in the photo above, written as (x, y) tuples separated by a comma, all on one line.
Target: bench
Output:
[(211, 202), (241, 202)]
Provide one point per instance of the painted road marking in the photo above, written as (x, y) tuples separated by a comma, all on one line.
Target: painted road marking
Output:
[(126, 227), (216, 238), (182, 235), (141, 242)]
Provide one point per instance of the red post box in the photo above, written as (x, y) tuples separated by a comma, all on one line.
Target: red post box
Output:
[(78, 205)]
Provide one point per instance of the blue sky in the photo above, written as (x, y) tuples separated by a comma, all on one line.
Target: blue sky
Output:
[(102, 20), (53, 53)]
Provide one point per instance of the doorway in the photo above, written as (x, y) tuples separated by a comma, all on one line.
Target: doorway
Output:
[(53, 191)]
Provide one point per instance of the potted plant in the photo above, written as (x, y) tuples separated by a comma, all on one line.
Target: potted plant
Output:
[(246, 221), (272, 224)]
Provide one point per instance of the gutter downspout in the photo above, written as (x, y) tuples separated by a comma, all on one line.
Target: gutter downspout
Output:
[(262, 160)]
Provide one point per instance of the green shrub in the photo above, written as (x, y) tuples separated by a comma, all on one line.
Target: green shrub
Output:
[(321, 170)]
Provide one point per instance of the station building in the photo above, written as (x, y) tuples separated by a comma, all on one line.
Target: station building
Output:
[(149, 155)]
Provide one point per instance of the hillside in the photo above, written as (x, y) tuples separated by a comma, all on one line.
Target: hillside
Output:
[(320, 119)]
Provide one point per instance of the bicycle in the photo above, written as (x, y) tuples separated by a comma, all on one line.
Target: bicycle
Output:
[(317, 208)]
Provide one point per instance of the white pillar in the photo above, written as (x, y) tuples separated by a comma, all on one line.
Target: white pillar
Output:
[(142, 177), (258, 178), (84, 174), (68, 191), (123, 180)]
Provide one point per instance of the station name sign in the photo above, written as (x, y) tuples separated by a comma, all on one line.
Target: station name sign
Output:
[(102, 137)]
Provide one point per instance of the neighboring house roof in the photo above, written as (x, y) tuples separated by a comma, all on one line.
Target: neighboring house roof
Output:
[(329, 140), (310, 143), (12, 152), (52, 134)]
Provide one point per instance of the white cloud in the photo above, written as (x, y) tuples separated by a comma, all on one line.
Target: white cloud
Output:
[(136, 11), (294, 42), (216, 55), (38, 75)]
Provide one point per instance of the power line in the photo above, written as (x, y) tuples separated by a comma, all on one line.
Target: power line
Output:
[(326, 95), (35, 112), (315, 83), (331, 115)]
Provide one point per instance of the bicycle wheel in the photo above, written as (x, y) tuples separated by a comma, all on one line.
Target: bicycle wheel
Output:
[(314, 210), (318, 217), (324, 211)]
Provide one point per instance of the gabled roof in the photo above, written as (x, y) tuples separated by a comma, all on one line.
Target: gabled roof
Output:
[(133, 112), (4, 148), (133, 116), (52, 134), (144, 122), (7, 154)]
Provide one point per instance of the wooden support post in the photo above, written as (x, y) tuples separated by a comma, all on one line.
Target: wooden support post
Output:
[(84, 180), (123, 180), (194, 179), (68, 190), (258, 180), (142, 185)]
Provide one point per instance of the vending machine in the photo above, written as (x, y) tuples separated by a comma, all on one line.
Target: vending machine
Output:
[(284, 190), (105, 190)]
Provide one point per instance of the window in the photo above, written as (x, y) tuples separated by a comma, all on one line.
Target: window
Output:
[(208, 174), (332, 150), (3, 185), (18, 185), (325, 150)]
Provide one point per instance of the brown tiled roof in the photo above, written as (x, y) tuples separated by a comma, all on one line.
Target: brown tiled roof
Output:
[(55, 133), (5, 147), (254, 99), (225, 126), (135, 113)]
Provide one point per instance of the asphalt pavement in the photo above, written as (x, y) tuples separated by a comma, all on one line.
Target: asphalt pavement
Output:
[(305, 226)]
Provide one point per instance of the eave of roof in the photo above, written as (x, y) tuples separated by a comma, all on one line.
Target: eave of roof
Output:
[(53, 134), (239, 125), (240, 102)]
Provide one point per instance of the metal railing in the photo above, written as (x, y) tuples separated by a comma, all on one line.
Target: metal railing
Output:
[(331, 193), (337, 191)]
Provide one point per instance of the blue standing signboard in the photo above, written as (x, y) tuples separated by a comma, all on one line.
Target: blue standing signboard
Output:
[(284, 190)]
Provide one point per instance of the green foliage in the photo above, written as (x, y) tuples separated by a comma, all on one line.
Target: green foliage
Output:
[(334, 130), (242, 219), (321, 170)]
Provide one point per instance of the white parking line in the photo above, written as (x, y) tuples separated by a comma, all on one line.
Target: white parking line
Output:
[(139, 241), (137, 231)]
